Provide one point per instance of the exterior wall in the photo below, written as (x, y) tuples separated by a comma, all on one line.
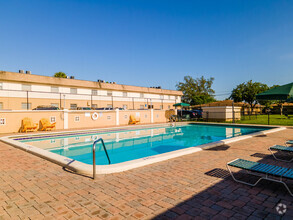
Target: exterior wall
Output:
[(143, 115), (245, 108), (160, 116), (221, 113), (13, 119), (107, 118), (66, 119)]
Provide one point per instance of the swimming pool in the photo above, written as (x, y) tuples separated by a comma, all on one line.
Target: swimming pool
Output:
[(125, 145)]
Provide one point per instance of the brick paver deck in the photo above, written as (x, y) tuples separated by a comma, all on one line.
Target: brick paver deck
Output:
[(193, 186)]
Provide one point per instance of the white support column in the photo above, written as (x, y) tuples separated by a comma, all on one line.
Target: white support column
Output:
[(117, 116), (65, 116), (152, 115)]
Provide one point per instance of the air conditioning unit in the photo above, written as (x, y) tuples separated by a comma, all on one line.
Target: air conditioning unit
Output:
[(28, 72), (21, 71), (71, 77)]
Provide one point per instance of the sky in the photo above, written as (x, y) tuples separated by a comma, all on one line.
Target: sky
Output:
[(151, 42)]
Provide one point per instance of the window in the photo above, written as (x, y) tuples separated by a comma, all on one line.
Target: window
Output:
[(52, 141), (2, 121), (73, 106), (1, 105), (157, 116), (125, 106), (26, 87), (94, 92), (55, 105), (141, 106), (54, 89), (145, 116), (76, 118), (141, 95), (161, 106), (53, 119), (1, 85), (169, 107), (94, 106), (169, 97), (161, 97), (125, 116), (73, 90), (109, 93), (124, 94), (25, 105), (109, 117)]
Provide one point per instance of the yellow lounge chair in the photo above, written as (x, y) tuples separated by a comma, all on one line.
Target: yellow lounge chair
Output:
[(28, 125), (133, 120), (46, 125)]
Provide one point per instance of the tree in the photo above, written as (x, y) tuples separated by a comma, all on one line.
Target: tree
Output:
[(247, 92), (60, 75), (196, 91)]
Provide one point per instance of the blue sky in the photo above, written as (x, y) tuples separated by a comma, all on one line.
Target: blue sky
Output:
[(150, 42)]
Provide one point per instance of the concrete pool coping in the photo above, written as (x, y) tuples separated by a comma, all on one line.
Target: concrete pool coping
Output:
[(87, 169)]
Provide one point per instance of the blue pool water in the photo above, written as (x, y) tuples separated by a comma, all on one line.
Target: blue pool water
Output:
[(128, 145)]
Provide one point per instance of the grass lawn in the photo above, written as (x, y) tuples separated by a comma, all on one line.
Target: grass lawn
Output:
[(263, 119)]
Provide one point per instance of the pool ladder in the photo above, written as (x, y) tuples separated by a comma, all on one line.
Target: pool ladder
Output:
[(94, 155)]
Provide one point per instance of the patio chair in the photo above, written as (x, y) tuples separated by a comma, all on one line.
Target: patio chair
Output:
[(264, 171), (133, 120), (280, 148), (289, 142), (28, 125), (46, 125)]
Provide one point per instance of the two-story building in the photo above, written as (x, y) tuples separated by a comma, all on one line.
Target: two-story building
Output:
[(21, 91)]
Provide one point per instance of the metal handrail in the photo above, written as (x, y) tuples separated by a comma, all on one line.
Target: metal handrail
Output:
[(94, 155)]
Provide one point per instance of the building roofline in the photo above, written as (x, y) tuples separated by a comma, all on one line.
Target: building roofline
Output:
[(54, 81)]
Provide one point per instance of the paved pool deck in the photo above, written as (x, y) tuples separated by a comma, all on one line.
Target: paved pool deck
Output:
[(195, 186)]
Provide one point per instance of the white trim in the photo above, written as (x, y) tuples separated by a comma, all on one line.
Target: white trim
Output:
[(117, 116), (65, 116), (152, 115)]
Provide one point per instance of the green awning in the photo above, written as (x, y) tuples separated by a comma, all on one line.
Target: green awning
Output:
[(181, 104), (279, 93)]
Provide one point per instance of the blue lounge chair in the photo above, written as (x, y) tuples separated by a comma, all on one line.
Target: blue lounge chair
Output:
[(262, 170), (281, 148)]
